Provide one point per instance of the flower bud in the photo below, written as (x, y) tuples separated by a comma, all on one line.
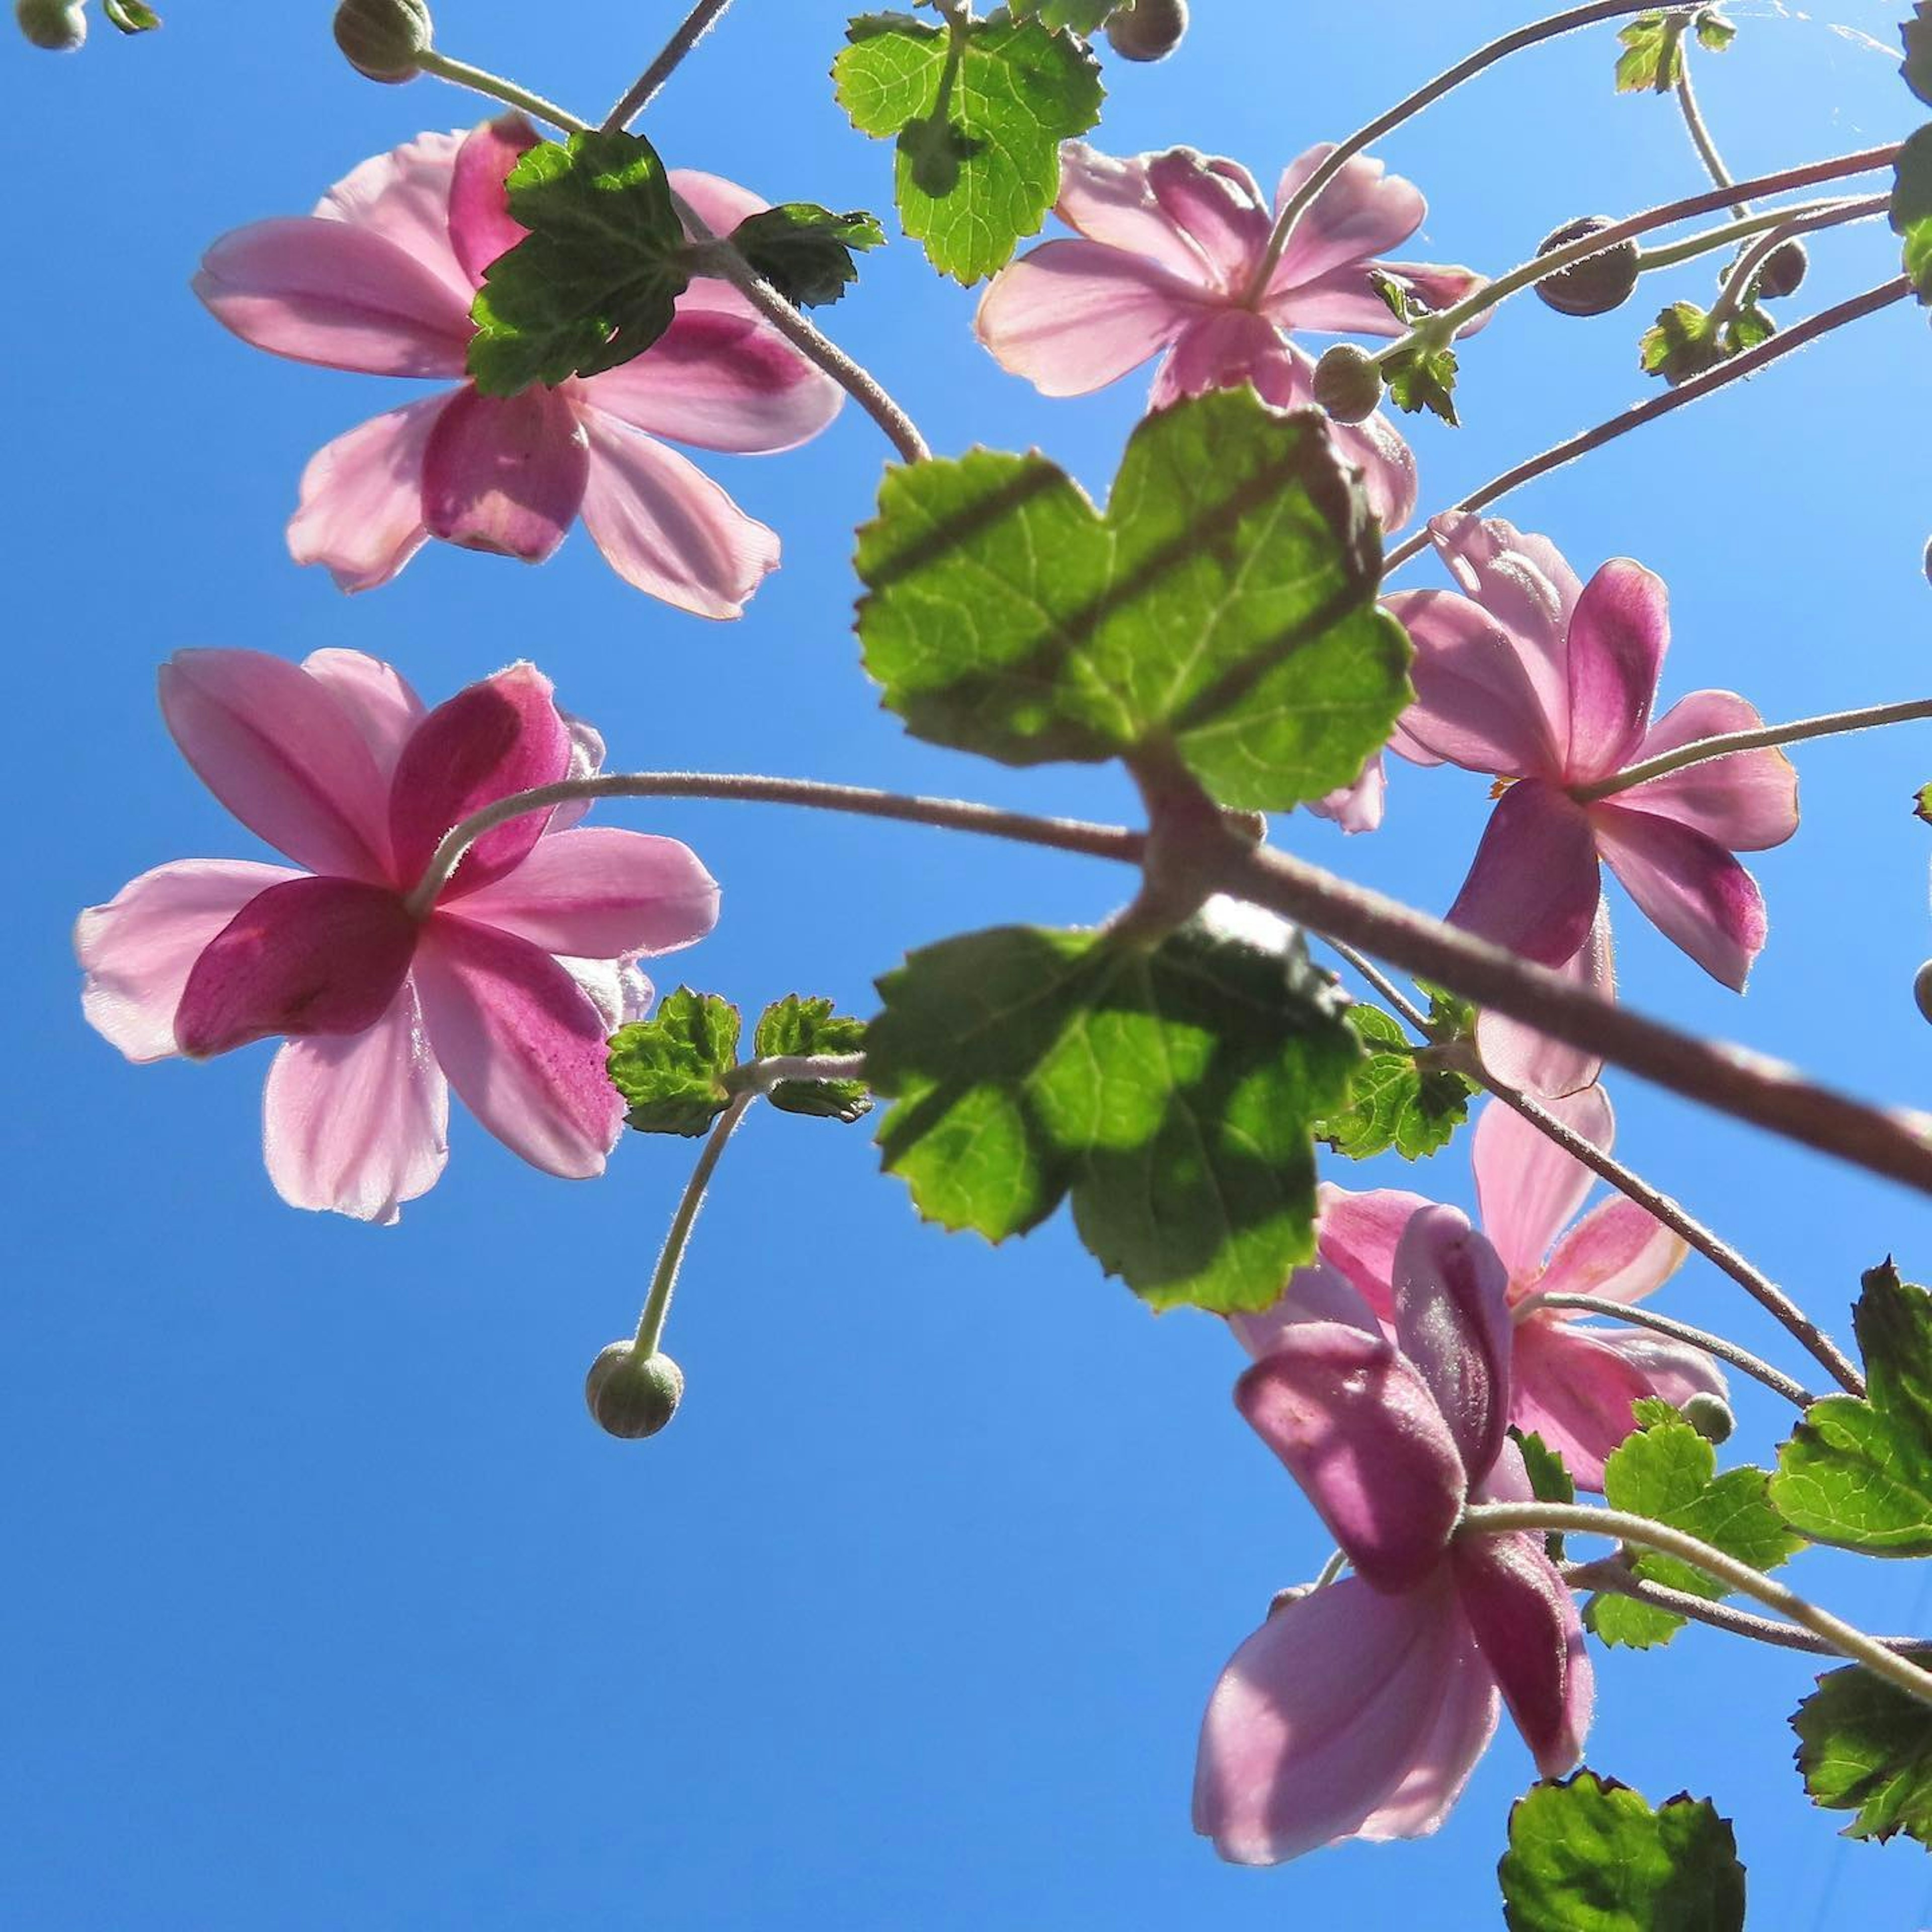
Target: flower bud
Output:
[(58, 25), (630, 1395), (1146, 30), (1783, 270), (384, 39), (1711, 1416), (1595, 285), (1921, 989), (1348, 383)]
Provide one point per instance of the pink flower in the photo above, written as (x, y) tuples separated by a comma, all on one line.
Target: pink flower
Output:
[(1358, 1710), (380, 279), (1169, 245), (1572, 1382), (1548, 684), (506, 989)]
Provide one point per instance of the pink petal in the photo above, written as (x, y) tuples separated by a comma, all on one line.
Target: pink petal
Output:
[(1349, 1713), (358, 1124), (1534, 886), (481, 227), (720, 205), (280, 751), (1619, 1252), (1072, 316), (504, 474), (1675, 1370), (1747, 801), (377, 696), (1358, 807), (722, 382), (616, 987), (586, 760), (1539, 1066), (1619, 633), (1112, 202), (665, 526), (303, 956), (1452, 1323), (499, 736), (404, 196), (138, 949), (521, 1043), (1358, 1233), (1364, 211), (1217, 206), (1360, 1431), (1690, 888), (345, 297), (1575, 1389), (1316, 1293), (601, 893), (361, 510), (1527, 1186), (1346, 301)]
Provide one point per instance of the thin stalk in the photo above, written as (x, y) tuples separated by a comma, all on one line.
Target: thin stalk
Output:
[(1743, 274), (670, 1257), (1776, 225), (1369, 970), (761, 1076), (1699, 131), (695, 26), (479, 80), (1507, 1519)]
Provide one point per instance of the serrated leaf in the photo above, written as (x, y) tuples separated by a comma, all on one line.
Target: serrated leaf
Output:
[(1396, 1099), (1714, 33), (1912, 211), (1866, 1746), (1921, 804), (671, 1068), (1917, 66), (1652, 61), (596, 280), (1078, 17), (1859, 1474), (805, 251), (1420, 377), (1225, 601), (795, 1026), (979, 109), (1550, 1481), (1170, 1091), (1686, 340), (1589, 1855)]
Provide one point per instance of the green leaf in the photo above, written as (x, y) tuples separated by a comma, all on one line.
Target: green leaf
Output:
[(671, 1068), (1550, 1481), (1423, 376), (1714, 33), (1921, 803), (1865, 1747), (1077, 17), (1687, 340), (793, 1026), (595, 281), (1859, 1474), (1652, 61), (1917, 68), (979, 110), (1169, 1090), (1396, 1099), (805, 251), (1668, 1471), (1590, 1855), (1912, 211), (1225, 601), (130, 16)]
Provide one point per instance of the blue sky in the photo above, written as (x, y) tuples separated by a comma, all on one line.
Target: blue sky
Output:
[(328, 1606)]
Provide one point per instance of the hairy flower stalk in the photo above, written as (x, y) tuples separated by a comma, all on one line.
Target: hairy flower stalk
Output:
[(690, 30)]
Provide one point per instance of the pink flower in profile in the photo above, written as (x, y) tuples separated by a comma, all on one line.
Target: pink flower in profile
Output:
[(506, 988), (1358, 1710), (1574, 1382), (1548, 683), (380, 278)]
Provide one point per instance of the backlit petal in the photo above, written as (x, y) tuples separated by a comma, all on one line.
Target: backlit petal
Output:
[(362, 511), (1619, 633), (504, 474), (1690, 888), (1619, 1252), (404, 197), (1534, 885), (1529, 1188), (1452, 1322), (1364, 211), (480, 224), (1747, 801), (1548, 1068)]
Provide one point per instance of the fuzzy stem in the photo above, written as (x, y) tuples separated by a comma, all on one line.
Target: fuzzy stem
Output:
[(1699, 130), (479, 80), (670, 1257), (696, 25), (1776, 225), (761, 1076)]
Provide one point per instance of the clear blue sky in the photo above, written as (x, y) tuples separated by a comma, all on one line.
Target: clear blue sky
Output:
[(326, 1606)]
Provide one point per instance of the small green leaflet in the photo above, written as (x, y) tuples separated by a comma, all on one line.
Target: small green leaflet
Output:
[(805, 251), (1859, 1474), (1865, 1747), (979, 109), (1652, 61), (1225, 601), (1550, 1481), (1668, 1471), (1912, 211), (671, 1068), (130, 16), (1396, 1099), (1169, 1090), (1423, 376), (596, 280), (1077, 17), (794, 1026), (1590, 1855), (1921, 803), (1917, 68), (1686, 340)]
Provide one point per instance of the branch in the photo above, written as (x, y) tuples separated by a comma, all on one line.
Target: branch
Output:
[(696, 25)]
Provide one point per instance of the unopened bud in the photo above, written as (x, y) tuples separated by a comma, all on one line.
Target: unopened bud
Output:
[(1711, 1416), (1146, 30), (58, 25), (1921, 989), (1784, 271), (1348, 383), (1597, 284), (630, 1395), (1928, 563), (384, 39)]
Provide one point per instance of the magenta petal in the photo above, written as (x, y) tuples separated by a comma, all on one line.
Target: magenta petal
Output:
[(1689, 887), (499, 736), (404, 196), (1317, 1293), (1217, 206), (1452, 1322), (138, 949), (1539, 1066), (481, 227), (1527, 1186), (358, 1124), (1110, 200), (1619, 1252), (362, 511), (1360, 1431), (1534, 886), (1575, 1389), (1747, 801), (521, 1042), (305, 956), (1527, 1628), (1364, 211), (504, 474), (376, 696), (1675, 1370), (1357, 807), (1359, 1233), (1619, 633)]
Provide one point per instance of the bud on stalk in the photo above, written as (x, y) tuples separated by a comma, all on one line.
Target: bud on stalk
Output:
[(384, 39)]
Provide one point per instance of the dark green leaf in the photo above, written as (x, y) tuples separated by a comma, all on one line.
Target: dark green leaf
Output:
[(794, 1026), (671, 1068), (1918, 66), (1550, 1481), (1912, 211), (1687, 340), (1859, 1474), (1866, 1747), (1170, 1090), (805, 251), (1397, 1099), (1225, 601), (979, 110), (1078, 17), (595, 281), (1590, 1855)]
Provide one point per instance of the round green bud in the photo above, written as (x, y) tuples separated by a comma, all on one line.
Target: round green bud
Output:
[(1348, 383), (1784, 270), (630, 1395), (1596, 285), (1921, 989), (58, 25), (1146, 30), (1711, 1416), (384, 39)]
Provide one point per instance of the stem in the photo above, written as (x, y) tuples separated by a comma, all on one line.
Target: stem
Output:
[(761, 1076), (670, 1257), (1332, 1569), (1505, 1518), (1786, 344), (1700, 132), (696, 25), (1759, 1370), (479, 80), (1729, 743), (1384, 984), (1778, 225)]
